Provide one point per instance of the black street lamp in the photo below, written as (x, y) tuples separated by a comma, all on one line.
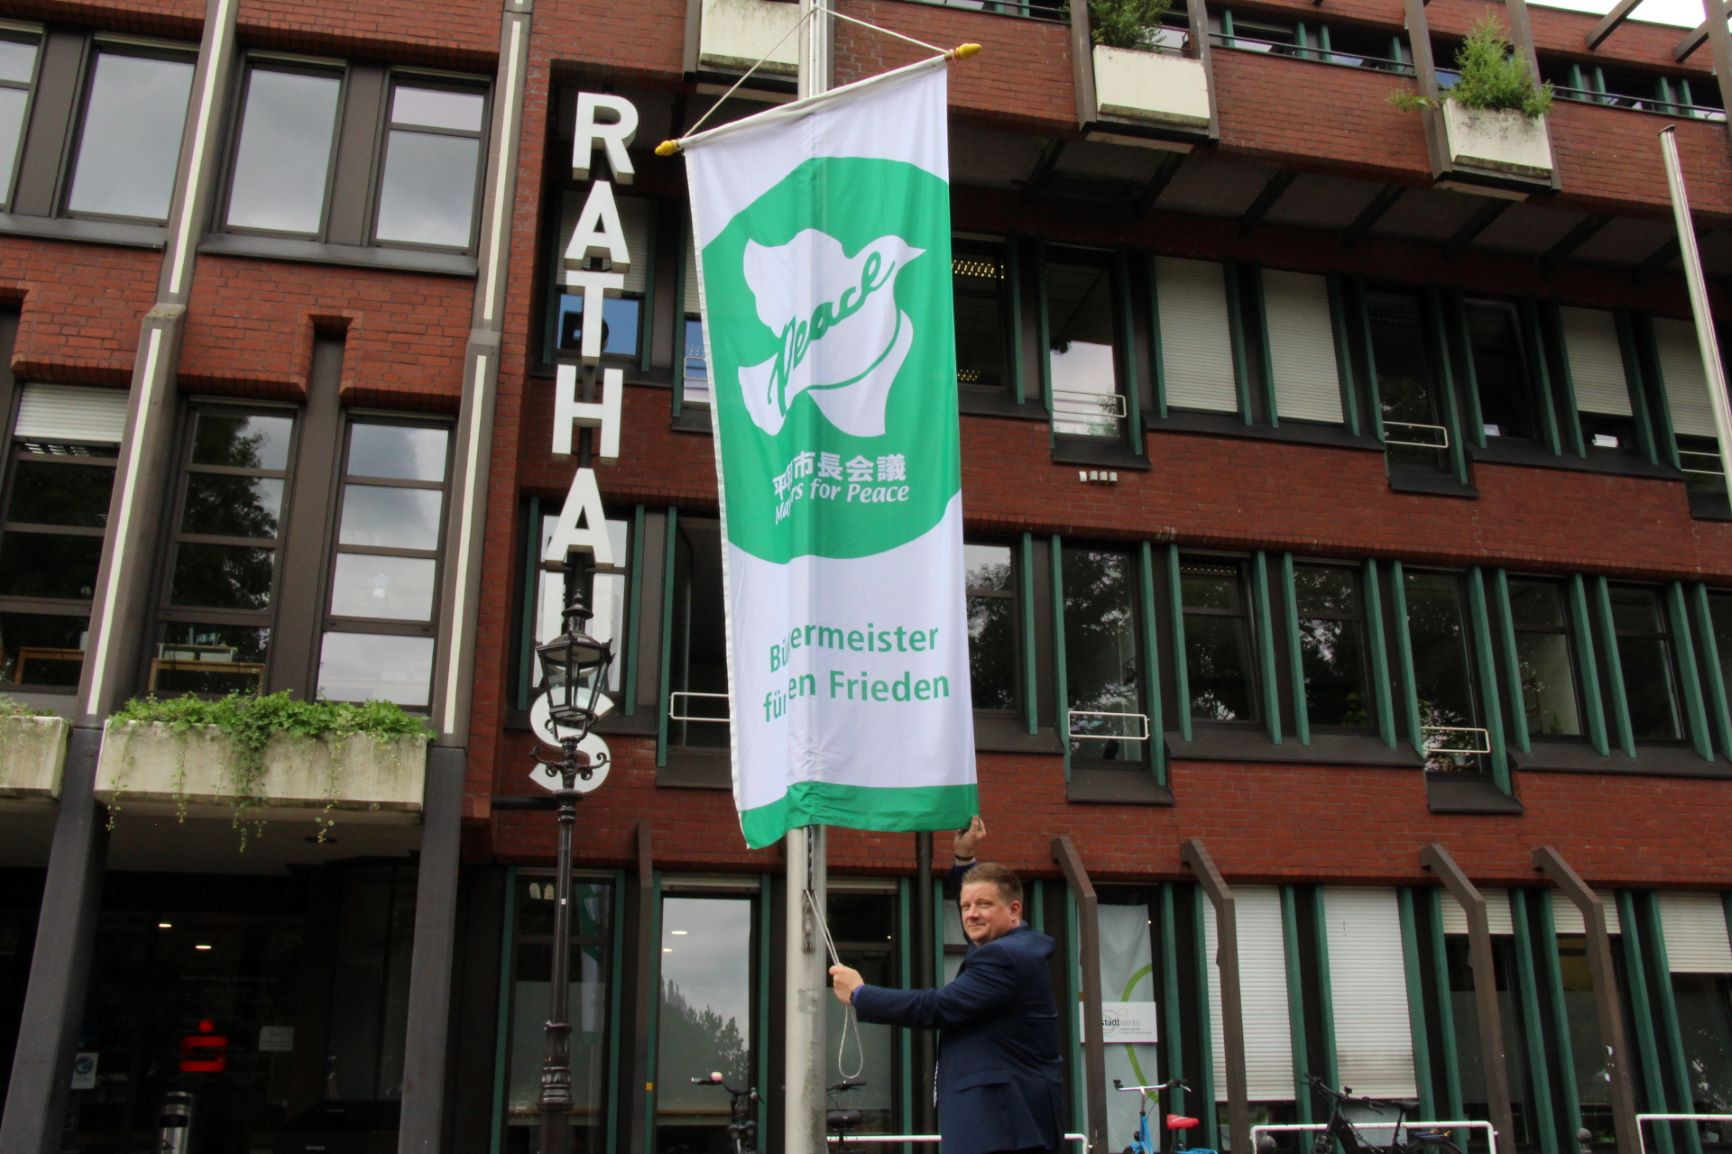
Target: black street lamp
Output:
[(573, 668)]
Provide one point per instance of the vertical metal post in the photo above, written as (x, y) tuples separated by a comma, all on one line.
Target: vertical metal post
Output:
[(1705, 338), (803, 1021), (1220, 895), (556, 1062)]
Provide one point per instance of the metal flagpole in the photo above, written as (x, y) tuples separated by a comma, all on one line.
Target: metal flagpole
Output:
[(803, 1080), (1705, 338)]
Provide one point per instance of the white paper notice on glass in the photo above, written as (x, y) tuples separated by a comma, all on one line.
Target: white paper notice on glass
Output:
[(1124, 1023), (276, 1039)]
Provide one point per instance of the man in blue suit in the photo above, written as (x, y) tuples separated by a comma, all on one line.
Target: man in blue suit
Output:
[(1000, 1081)]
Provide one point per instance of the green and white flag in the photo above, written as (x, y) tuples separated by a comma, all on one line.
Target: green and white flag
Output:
[(823, 243)]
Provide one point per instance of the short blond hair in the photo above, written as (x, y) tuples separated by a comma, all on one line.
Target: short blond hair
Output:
[(1009, 885)]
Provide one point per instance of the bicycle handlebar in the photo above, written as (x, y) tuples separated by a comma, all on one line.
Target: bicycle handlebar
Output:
[(1167, 1085), (1346, 1094)]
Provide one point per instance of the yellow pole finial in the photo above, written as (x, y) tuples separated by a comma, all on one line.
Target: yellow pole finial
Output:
[(667, 148), (964, 51)]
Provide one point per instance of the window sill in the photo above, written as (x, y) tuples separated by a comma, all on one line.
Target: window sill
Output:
[(1131, 785), (1468, 793), (1526, 453), (696, 769), (1650, 761), (1430, 484), (1007, 733), (1252, 744), (694, 419), (351, 256), (1067, 450), (114, 232), (1231, 425)]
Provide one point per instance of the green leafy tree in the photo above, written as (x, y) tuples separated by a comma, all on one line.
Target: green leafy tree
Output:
[(1493, 76), (1126, 23)]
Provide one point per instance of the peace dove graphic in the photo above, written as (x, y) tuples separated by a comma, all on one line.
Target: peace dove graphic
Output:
[(842, 337)]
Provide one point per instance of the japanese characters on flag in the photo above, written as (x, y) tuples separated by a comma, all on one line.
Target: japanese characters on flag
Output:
[(823, 242)]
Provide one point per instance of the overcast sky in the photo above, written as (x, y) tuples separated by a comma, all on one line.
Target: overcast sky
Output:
[(1684, 13)]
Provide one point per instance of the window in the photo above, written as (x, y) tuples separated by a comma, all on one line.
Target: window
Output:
[(705, 1018), (17, 74), (214, 630), (1545, 653), (698, 664), (993, 660), (622, 312), (1263, 993), (1410, 396), (1699, 956), (1458, 981), (1645, 656), (1130, 971), (1500, 370), (590, 973), (1587, 1054), (299, 170), (694, 361), (379, 631), (1679, 360), (433, 138), (1332, 645), (1196, 336), (1103, 662), (1720, 613), (981, 287), (129, 137), (1301, 334), (1082, 361), (284, 155), (1594, 354), (1219, 660), (1443, 671), (64, 448), (864, 917)]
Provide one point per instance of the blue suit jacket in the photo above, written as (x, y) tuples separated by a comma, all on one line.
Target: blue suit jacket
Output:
[(1000, 1080)]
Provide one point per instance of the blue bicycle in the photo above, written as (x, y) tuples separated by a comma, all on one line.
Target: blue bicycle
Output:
[(1177, 1124)]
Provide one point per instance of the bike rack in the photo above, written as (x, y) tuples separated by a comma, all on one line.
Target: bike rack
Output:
[(1406, 1124), (921, 1139), (1642, 1137)]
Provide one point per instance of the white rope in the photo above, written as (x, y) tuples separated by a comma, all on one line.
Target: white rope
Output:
[(849, 1020)]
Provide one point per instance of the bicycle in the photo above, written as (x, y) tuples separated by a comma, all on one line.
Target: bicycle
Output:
[(1177, 1124), (1341, 1129), (838, 1121), (742, 1127)]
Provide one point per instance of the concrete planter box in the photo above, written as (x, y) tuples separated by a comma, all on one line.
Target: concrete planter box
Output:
[(733, 34), (1498, 141), (146, 765), (1151, 87), (32, 757)]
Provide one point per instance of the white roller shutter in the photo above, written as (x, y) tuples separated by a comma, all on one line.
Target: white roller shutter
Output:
[(1262, 996), (71, 413), (1567, 919), (690, 275), (1694, 926), (1686, 383), (1368, 986), (1596, 361), (1196, 338), (1302, 346), (636, 218), (1497, 913)]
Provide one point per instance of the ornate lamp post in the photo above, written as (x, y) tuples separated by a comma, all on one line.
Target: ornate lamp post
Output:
[(573, 668)]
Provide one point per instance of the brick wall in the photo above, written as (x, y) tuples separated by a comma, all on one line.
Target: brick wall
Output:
[(81, 306)]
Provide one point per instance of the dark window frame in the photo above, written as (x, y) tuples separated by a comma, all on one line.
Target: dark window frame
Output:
[(1128, 432), (999, 250), (1247, 615), (329, 621), (1012, 592), (38, 42), (1667, 640), (1359, 618), (399, 78)]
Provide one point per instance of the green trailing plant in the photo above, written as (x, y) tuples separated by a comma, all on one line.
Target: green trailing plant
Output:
[(12, 707), (1126, 23), (250, 722), (16, 742), (1492, 76)]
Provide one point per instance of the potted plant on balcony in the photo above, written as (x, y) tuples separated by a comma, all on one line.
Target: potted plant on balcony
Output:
[(1494, 114), (32, 751), (1136, 77), (253, 754)]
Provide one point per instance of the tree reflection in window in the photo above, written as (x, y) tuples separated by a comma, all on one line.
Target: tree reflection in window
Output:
[(1218, 665), (992, 660), (1443, 675), (1545, 651), (1332, 645), (1102, 663)]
